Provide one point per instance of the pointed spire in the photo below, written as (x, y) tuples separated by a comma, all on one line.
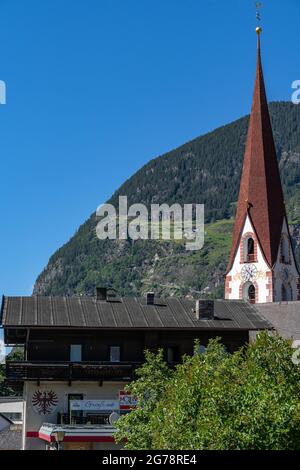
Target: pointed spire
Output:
[(261, 195)]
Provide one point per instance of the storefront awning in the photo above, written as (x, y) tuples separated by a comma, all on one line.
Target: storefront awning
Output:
[(103, 433)]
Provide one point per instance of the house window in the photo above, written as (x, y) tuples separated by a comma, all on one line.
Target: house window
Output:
[(171, 354), (13, 416), (114, 353), (75, 353)]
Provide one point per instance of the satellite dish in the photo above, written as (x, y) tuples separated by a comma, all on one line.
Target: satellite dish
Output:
[(113, 418)]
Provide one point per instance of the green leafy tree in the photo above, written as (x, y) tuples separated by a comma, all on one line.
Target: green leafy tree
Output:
[(247, 400), (4, 389), (16, 354), (135, 427)]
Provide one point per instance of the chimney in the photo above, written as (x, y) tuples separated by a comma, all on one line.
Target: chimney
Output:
[(101, 293), (204, 309), (150, 298)]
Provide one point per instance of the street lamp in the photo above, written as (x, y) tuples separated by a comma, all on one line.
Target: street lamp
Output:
[(59, 437)]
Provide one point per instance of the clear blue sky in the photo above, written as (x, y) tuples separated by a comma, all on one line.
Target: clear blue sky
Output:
[(96, 88)]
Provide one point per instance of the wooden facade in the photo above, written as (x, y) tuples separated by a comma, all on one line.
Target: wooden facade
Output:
[(89, 349), (49, 345), (84, 339)]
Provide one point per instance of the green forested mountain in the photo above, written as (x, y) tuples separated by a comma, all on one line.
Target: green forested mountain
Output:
[(206, 170)]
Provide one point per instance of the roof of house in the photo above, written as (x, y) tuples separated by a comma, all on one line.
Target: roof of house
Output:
[(11, 405), (11, 438), (285, 317), (86, 312), (5, 418), (11, 399), (260, 196)]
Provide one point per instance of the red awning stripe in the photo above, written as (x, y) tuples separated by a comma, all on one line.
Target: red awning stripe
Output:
[(32, 434), (75, 438), (78, 438)]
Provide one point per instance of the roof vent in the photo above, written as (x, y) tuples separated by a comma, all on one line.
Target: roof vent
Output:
[(101, 293), (150, 298), (204, 309)]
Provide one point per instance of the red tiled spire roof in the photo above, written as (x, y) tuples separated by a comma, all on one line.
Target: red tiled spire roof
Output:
[(261, 193)]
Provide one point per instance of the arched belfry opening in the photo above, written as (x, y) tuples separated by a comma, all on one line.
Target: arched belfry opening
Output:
[(250, 250), (249, 292)]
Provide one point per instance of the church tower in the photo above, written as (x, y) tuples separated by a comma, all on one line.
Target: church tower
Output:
[(262, 265)]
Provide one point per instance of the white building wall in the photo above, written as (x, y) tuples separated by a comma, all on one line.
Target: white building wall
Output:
[(261, 278), (90, 391), (281, 273)]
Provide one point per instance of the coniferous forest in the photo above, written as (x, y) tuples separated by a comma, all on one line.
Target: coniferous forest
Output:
[(206, 171)]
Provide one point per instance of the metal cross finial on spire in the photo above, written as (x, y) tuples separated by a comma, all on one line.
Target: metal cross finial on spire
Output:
[(258, 6)]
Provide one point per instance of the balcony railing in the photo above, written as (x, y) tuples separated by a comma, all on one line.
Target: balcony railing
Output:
[(98, 419), (70, 371)]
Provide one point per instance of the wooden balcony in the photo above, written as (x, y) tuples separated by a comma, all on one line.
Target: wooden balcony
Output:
[(20, 371), (97, 419)]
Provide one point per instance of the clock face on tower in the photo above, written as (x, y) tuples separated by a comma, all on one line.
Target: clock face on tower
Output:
[(249, 272)]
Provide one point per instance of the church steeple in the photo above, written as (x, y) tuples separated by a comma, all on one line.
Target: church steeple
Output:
[(261, 245), (260, 194)]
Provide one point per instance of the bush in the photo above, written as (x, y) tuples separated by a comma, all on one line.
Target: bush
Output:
[(247, 400)]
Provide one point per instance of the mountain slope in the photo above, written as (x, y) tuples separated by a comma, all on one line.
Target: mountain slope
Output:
[(206, 170)]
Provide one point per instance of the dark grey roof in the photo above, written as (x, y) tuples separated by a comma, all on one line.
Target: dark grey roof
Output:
[(285, 317), (11, 399), (11, 438), (5, 418), (126, 313)]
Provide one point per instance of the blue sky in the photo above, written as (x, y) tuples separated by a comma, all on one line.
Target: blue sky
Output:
[(97, 88)]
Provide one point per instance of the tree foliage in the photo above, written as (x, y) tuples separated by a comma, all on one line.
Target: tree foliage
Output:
[(215, 400), (16, 354), (148, 390)]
